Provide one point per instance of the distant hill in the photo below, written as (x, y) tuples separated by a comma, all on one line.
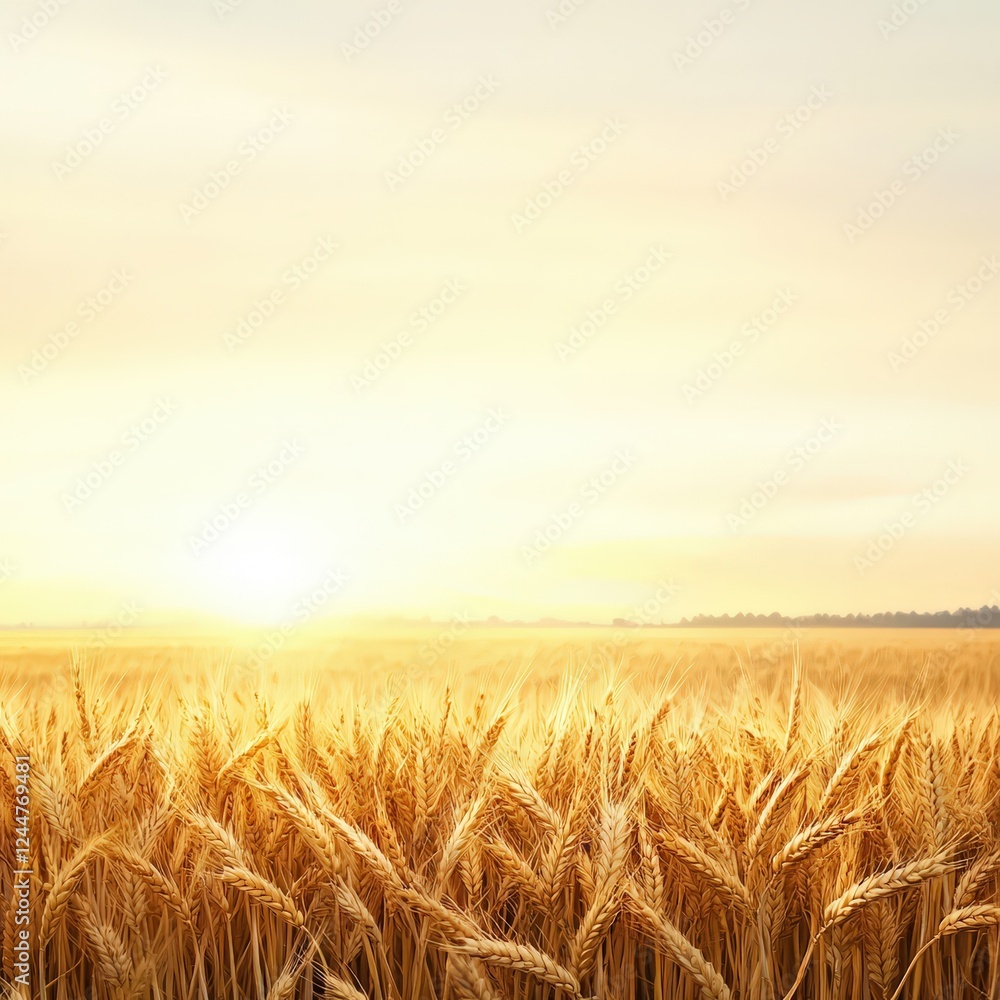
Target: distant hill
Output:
[(985, 617)]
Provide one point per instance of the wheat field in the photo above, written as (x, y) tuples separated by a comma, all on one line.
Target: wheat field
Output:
[(524, 815)]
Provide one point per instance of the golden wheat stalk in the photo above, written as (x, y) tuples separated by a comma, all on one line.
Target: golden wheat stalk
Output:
[(63, 886), (162, 886), (240, 759), (682, 951), (847, 774), (468, 978), (866, 892), (776, 809), (726, 882), (883, 884), (973, 877), (978, 917), (522, 958), (111, 957), (813, 837), (264, 891)]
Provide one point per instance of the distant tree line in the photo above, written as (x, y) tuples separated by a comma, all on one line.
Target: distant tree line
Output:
[(985, 617)]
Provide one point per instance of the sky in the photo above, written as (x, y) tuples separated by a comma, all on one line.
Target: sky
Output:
[(420, 307)]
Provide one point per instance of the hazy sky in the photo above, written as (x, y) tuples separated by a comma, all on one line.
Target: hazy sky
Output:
[(390, 305)]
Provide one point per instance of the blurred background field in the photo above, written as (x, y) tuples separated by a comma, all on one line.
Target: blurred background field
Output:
[(947, 666)]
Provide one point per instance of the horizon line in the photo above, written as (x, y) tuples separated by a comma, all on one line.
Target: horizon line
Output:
[(984, 616)]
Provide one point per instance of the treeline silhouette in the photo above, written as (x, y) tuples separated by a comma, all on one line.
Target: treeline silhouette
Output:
[(984, 617)]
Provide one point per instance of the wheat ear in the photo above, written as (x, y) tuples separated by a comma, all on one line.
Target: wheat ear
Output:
[(968, 918), (683, 952), (523, 958)]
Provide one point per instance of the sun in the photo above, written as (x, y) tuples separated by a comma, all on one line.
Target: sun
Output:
[(258, 571)]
